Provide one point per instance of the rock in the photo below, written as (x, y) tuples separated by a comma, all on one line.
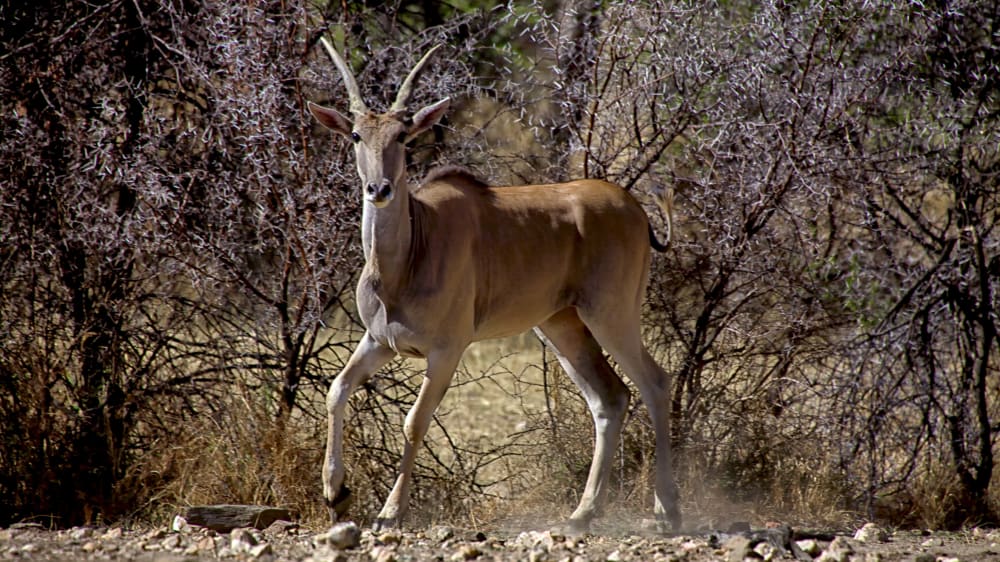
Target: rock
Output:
[(738, 547), (383, 554), (342, 536), (932, 542), (441, 533), (871, 533), (282, 527), (615, 556), (467, 552), (204, 545), (767, 551), (171, 542), (179, 525), (260, 551), (225, 518), (809, 546), (532, 539), (112, 534), (389, 537), (840, 550), (89, 546), (80, 533), (925, 557), (242, 540)]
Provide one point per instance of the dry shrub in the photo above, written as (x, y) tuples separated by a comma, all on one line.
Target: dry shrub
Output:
[(239, 454), (932, 498)]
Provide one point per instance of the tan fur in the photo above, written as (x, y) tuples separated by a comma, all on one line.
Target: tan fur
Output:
[(458, 261)]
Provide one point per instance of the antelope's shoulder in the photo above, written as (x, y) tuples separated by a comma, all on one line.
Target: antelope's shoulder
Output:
[(457, 176)]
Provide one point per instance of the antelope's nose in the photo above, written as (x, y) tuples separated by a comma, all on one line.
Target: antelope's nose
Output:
[(379, 194)]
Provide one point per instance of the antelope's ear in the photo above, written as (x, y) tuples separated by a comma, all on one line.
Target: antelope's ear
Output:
[(427, 117), (331, 119)]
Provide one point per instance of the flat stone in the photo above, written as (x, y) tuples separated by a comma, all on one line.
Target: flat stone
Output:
[(225, 518)]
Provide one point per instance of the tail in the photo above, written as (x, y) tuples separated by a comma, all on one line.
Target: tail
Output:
[(664, 198)]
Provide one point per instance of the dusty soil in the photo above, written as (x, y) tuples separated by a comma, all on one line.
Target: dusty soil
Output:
[(287, 542)]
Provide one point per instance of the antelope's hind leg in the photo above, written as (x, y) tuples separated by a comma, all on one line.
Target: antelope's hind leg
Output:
[(367, 358), (618, 332), (606, 395)]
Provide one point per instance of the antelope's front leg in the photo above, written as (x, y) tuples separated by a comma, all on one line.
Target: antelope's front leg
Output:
[(367, 358), (440, 370)]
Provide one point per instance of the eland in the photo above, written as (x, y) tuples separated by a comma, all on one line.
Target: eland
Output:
[(457, 261)]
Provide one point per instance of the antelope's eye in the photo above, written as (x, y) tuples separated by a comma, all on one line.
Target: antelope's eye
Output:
[(355, 136), (401, 138)]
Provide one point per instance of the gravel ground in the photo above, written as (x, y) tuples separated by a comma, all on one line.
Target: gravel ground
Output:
[(285, 541)]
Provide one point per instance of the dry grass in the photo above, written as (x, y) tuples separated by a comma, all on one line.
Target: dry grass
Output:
[(512, 450)]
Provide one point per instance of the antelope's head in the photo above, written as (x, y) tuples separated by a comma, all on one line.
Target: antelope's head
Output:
[(379, 139)]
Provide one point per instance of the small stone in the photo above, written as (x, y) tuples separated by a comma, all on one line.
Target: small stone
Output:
[(29, 548), (925, 557), (179, 525), (871, 533), (441, 533), (389, 537), (171, 542), (615, 556), (241, 540), (261, 550), (932, 542), (382, 554), (112, 534), (206, 544), (467, 552), (738, 547), (79, 533), (89, 546), (767, 551), (809, 546), (155, 535), (282, 527), (341, 536), (532, 539), (840, 550)]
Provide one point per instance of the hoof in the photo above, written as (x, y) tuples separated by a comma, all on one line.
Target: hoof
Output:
[(670, 522), (340, 503), (383, 524), (576, 527)]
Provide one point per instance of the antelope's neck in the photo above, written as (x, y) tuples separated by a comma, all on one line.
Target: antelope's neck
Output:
[(386, 235)]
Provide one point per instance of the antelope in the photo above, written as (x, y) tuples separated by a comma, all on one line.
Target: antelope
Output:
[(457, 261)]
